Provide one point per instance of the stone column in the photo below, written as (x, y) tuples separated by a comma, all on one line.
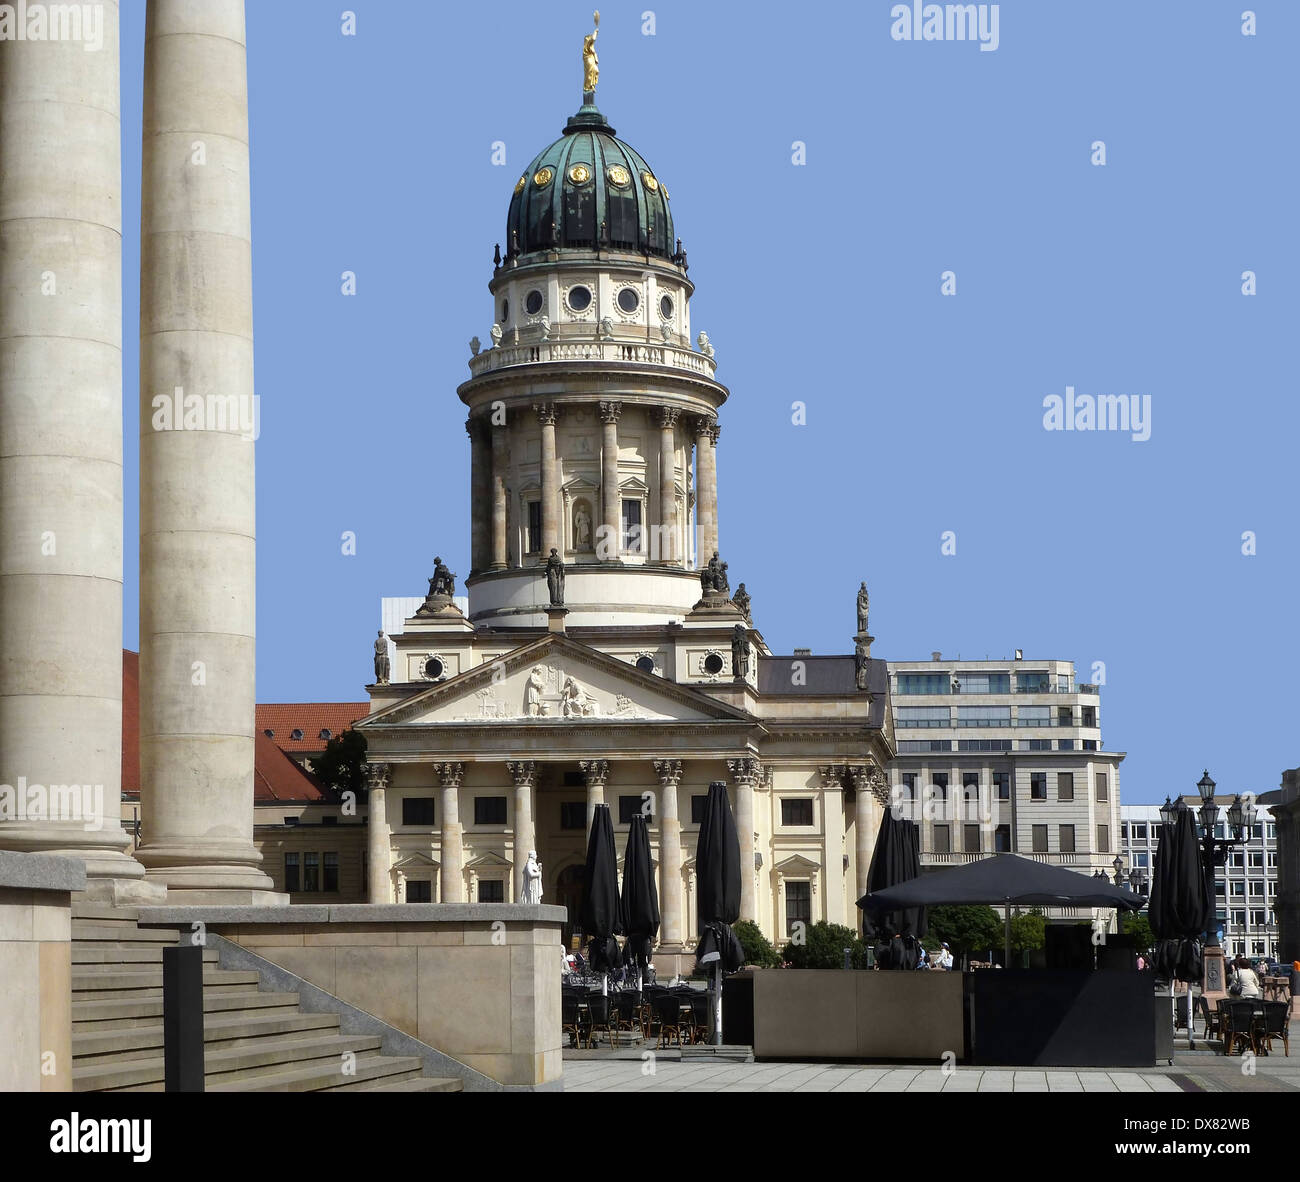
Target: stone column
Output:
[(500, 463), (61, 453), (452, 888), (671, 904), (546, 416), (745, 774), (706, 477), (833, 826), (595, 772), (197, 530), (378, 834), (611, 509), (669, 544), (524, 774), (480, 487)]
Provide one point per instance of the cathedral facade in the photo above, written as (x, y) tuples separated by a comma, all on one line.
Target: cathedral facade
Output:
[(605, 656)]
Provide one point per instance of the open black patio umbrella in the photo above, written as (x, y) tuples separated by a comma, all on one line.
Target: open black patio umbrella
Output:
[(1181, 906), (602, 909), (640, 899), (896, 859), (717, 874)]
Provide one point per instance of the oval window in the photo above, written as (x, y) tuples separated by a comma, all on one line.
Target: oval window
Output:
[(533, 303), (505, 311), (713, 664), (628, 300), (579, 298), (433, 668), (646, 664), (666, 307)]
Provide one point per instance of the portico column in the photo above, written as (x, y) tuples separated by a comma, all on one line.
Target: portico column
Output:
[(524, 773), (609, 493), (452, 888), (480, 487), (377, 834), (594, 772), (669, 545), (61, 452), (669, 772), (706, 477), (197, 519), (832, 778), (745, 774), (546, 416), (500, 461)]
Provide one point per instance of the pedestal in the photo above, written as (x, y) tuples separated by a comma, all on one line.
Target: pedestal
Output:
[(555, 619)]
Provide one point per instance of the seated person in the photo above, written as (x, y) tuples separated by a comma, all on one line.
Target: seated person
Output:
[(1247, 978)]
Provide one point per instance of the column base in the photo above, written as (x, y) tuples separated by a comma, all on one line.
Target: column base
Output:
[(225, 897), (119, 892), (202, 868)]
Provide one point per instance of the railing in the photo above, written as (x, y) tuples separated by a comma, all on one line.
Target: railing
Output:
[(549, 352), (961, 858)]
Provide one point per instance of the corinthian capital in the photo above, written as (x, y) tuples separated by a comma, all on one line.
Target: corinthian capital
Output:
[(523, 772), (669, 771), (377, 776), (745, 771)]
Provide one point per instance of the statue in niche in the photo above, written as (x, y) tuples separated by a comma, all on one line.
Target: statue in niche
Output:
[(741, 600), (581, 526), (576, 702), (530, 889), (381, 659), (533, 690), (740, 651), (555, 578), (864, 604)]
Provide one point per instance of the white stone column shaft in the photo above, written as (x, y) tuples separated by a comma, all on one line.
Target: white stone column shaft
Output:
[(480, 482), (611, 509), (378, 837), (524, 774), (546, 416), (452, 857), (706, 477), (745, 773), (669, 544), (61, 448), (671, 903), (197, 528), (595, 772), (500, 462)]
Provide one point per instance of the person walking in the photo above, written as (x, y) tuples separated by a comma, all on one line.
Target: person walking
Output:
[(944, 958)]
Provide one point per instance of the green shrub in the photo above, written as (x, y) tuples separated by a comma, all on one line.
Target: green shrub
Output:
[(759, 950), (823, 948)]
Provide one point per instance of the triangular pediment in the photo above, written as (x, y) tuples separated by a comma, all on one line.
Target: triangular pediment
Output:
[(416, 861), (797, 865), (555, 681), (488, 861)]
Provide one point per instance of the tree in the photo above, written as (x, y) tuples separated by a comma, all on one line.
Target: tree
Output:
[(342, 765), (1137, 925), (823, 948), (1028, 932), (759, 950), (965, 928)]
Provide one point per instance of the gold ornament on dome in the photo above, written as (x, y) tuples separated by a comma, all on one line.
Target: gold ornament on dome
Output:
[(665, 189), (580, 174), (520, 183), (590, 63), (650, 182), (618, 175), (543, 177)]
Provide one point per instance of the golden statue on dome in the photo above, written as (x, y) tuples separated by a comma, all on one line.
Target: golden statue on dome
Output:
[(590, 63)]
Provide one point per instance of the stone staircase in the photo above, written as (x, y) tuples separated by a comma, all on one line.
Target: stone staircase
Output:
[(253, 1041)]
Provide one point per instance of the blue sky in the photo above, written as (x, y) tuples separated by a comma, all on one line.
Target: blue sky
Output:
[(818, 283)]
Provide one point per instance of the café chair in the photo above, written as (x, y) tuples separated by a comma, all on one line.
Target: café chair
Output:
[(1273, 1023)]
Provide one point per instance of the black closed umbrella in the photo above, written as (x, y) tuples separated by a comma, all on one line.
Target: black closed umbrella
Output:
[(602, 909), (1181, 907), (896, 859), (717, 874), (640, 898)]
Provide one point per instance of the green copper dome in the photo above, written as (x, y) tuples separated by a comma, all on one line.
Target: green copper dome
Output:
[(589, 190)]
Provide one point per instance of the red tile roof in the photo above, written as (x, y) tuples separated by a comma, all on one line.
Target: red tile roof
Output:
[(277, 777), (309, 718)]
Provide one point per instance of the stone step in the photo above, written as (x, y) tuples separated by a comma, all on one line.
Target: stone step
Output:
[(127, 1013), (264, 1057), (414, 1083), (105, 912), (237, 1029), (90, 956), (322, 1077), (123, 983), (99, 930)]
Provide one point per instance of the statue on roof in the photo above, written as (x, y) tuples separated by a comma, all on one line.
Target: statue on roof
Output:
[(590, 63), (713, 576), (381, 660), (864, 605), (740, 652), (862, 663), (443, 581), (741, 600)]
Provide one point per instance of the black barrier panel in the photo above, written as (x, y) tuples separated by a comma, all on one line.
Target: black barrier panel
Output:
[(1068, 946), (183, 1018), (738, 1010), (1061, 1019)]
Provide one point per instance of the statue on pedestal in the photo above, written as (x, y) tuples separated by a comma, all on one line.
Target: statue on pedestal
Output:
[(442, 587), (740, 652), (713, 577), (864, 605), (530, 890), (741, 600), (381, 660), (555, 578)]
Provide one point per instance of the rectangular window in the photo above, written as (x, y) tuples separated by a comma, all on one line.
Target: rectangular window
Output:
[(1239, 919), (1103, 839), (1002, 785), (1272, 831), (1257, 919), (1033, 716), (922, 716), (939, 786), (1089, 716), (489, 810), (311, 872), (1257, 859), (573, 814), (629, 807), (924, 683), (984, 716), (419, 890), (331, 870), (1256, 890), (1065, 836), (916, 746), (1064, 785), (1238, 888), (983, 683), (909, 786), (417, 810), (942, 839), (1139, 828), (1065, 744), (983, 744), (797, 812), (534, 539), (633, 540), (1040, 839), (1142, 859), (1234, 859), (1035, 744), (1103, 793), (698, 806), (1037, 785), (491, 890), (1221, 887), (1033, 683), (1064, 716), (798, 904), (292, 882), (970, 786), (1090, 745), (1002, 839), (970, 840)]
